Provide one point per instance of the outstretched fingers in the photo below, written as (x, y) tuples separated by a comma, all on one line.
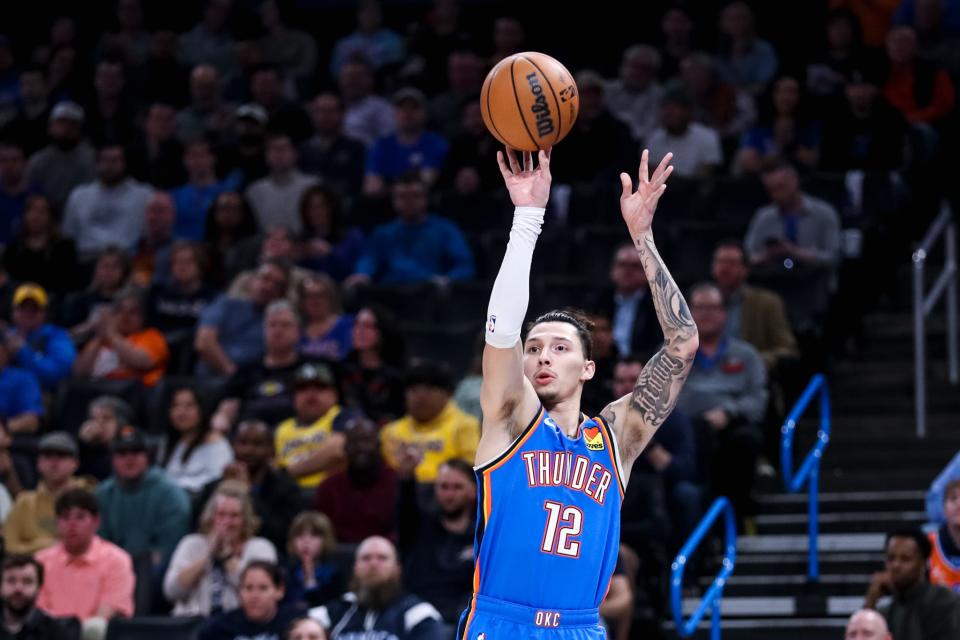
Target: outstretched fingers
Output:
[(664, 165), (627, 186), (504, 169), (544, 160), (644, 173), (527, 161), (512, 159), (660, 177)]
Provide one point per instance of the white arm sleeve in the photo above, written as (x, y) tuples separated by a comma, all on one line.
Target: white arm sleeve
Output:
[(511, 289)]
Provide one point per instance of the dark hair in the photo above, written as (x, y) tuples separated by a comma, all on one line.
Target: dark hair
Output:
[(17, 560), (779, 165), (203, 428), (76, 499), (429, 373), (114, 251), (272, 569), (248, 223), (393, 347), (575, 317), (767, 110), (464, 467), (917, 535), (410, 177), (335, 202), (632, 358), (702, 286), (268, 67)]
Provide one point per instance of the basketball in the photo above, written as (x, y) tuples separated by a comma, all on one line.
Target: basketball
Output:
[(529, 101)]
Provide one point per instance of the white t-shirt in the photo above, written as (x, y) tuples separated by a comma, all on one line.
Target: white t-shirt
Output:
[(699, 146)]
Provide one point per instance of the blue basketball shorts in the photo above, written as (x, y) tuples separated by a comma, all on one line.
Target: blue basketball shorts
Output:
[(492, 619)]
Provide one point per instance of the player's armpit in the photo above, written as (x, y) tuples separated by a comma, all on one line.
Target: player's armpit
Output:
[(507, 398)]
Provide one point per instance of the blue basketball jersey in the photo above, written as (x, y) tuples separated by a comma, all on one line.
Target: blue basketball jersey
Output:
[(548, 519)]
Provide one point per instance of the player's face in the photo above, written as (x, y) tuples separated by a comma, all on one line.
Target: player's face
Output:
[(951, 506), (554, 362), (905, 562)]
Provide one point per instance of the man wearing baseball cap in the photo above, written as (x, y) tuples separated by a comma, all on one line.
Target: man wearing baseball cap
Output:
[(142, 511), (35, 345), (67, 161), (32, 525), (310, 444)]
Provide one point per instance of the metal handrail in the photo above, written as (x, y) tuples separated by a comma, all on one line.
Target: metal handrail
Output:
[(923, 304), (809, 471), (711, 598)]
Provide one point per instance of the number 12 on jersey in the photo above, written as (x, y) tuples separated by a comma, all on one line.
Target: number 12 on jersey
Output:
[(563, 524)]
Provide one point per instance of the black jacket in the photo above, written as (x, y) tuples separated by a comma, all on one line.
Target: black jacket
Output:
[(406, 617), (646, 335), (40, 626)]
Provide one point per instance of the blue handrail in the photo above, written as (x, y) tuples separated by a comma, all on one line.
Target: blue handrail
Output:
[(809, 471), (711, 598)]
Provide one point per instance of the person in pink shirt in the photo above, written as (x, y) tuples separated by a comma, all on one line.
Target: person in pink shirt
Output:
[(85, 576)]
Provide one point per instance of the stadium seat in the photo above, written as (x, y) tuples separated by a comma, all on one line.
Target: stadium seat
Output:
[(733, 201), (153, 628), (452, 344), (464, 301), (410, 303)]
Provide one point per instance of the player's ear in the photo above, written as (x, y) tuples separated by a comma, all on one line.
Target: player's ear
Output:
[(589, 370)]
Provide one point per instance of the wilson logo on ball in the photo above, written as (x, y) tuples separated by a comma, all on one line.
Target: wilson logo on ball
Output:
[(540, 108)]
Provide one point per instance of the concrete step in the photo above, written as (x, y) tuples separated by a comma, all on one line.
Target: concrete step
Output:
[(795, 563), (781, 607), (839, 522), (828, 542), (842, 502), (766, 629), (785, 584)]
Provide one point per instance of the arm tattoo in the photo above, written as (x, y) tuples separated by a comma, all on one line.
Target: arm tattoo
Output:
[(654, 395), (675, 318)]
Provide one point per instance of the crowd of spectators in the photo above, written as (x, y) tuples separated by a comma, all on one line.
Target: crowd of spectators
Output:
[(245, 265)]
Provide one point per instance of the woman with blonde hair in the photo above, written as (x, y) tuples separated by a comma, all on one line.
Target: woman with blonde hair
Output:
[(312, 577), (204, 573)]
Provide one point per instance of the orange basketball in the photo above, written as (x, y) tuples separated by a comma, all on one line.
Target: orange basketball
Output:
[(529, 101)]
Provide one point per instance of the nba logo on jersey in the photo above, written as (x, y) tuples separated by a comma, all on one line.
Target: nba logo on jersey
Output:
[(593, 438), (491, 324)]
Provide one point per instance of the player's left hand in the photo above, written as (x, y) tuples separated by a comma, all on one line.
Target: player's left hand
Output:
[(637, 207)]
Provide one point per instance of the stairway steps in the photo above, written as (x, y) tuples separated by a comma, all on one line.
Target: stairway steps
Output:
[(838, 522), (831, 563), (835, 502), (767, 629)]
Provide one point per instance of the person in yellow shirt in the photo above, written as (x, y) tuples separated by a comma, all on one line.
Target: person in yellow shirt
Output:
[(435, 429), (309, 445), (32, 525)]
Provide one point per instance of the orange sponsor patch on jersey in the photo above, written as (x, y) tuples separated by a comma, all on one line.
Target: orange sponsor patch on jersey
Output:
[(593, 438)]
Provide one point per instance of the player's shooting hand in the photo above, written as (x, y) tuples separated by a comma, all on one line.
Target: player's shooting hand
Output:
[(638, 207), (528, 187)]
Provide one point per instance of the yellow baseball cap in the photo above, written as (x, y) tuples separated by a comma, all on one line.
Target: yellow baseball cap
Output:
[(30, 291)]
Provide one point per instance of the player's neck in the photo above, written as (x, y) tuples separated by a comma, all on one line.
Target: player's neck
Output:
[(566, 414)]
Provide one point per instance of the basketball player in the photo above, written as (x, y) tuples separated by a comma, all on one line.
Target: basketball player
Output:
[(551, 479)]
